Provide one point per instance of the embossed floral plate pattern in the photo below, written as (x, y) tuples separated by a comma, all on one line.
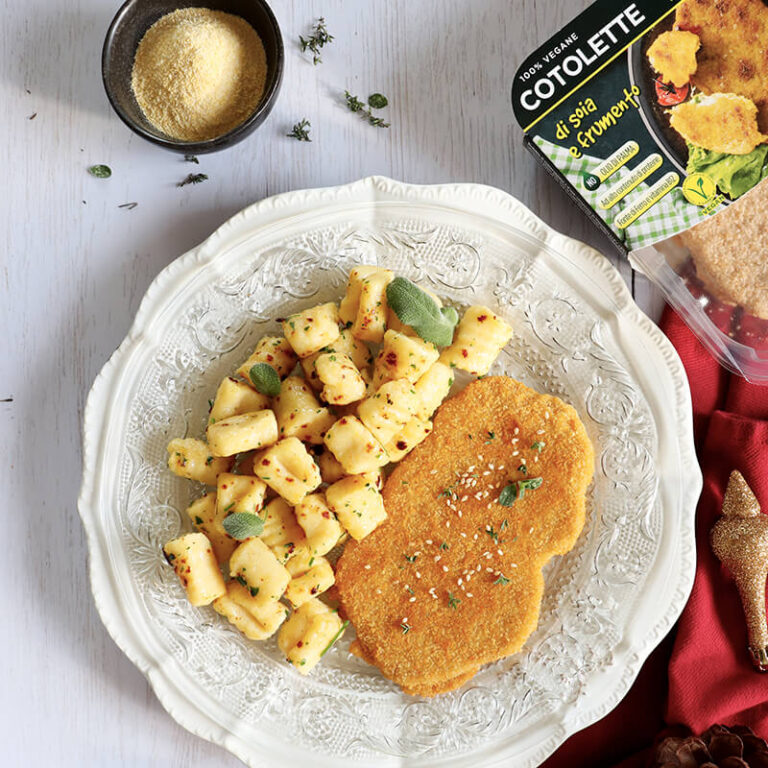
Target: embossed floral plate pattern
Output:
[(578, 335)]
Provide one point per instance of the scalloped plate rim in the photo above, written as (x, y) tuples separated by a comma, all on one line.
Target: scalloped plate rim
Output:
[(372, 190)]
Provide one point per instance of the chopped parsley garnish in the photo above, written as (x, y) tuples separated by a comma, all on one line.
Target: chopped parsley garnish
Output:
[(453, 602), (522, 468), (410, 558), (503, 580), (503, 526), (335, 638), (406, 628), (492, 534), (538, 446), (254, 591), (239, 578), (445, 546), (491, 436), (316, 41), (410, 590), (198, 520), (514, 491), (193, 178)]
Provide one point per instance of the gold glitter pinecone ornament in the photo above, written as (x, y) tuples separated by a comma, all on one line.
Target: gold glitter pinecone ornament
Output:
[(740, 541), (717, 747)]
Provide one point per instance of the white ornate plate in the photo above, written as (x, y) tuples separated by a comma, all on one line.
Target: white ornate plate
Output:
[(578, 335)]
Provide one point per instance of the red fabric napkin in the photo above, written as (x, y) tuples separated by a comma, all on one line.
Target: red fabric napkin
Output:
[(701, 674)]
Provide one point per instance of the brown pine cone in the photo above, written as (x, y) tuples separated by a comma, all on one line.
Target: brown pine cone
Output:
[(717, 747)]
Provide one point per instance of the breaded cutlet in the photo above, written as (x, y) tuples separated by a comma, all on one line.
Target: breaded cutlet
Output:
[(452, 580), (733, 57)]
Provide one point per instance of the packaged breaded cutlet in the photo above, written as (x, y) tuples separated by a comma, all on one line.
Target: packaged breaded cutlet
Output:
[(654, 117)]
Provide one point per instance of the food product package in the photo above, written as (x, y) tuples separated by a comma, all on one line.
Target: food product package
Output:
[(654, 117)]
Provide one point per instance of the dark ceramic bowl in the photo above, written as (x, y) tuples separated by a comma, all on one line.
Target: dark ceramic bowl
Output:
[(125, 32)]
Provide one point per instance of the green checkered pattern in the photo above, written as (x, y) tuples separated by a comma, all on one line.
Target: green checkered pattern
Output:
[(671, 215)]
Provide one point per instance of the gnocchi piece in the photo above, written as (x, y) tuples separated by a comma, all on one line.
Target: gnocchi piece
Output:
[(311, 575), (413, 433), (346, 344), (193, 459), (320, 526), (342, 382), (282, 533), (288, 469), (403, 357), (299, 414), (364, 305), (195, 564), (308, 634), (254, 565), (331, 469), (394, 322), (479, 337), (274, 350), (234, 397), (243, 432), (257, 622), (432, 388), (353, 445), (358, 505), (312, 329), (389, 410), (240, 493), (207, 519)]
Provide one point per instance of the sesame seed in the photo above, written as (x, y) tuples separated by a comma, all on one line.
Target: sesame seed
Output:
[(530, 530), (406, 587), (418, 575), (433, 472), (378, 591), (411, 599), (428, 541), (501, 466), (461, 586), (469, 594), (434, 595), (464, 497), (405, 619), (479, 568), (490, 466), (489, 505), (368, 567), (499, 552), (447, 523), (517, 430), (515, 453), (515, 440), (475, 537), (486, 473), (487, 527), (437, 558), (480, 457), (536, 459), (546, 414), (471, 469), (523, 461), (463, 535), (539, 431), (513, 565), (445, 568), (460, 581), (416, 554), (490, 570)]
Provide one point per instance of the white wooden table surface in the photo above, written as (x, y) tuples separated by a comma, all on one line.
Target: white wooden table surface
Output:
[(74, 266)]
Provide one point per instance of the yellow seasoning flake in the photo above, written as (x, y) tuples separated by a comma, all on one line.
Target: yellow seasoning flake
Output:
[(199, 73)]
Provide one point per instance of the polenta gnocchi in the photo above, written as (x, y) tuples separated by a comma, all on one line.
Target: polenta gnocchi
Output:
[(298, 454)]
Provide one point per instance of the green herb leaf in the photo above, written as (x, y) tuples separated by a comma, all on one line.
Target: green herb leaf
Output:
[(522, 468), (191, 159), (410, 558), (254, 591), (316, 41), (503, 580), (508, 495), (445, 546), (355, 105), (538, 446), (335, 638), (406, 628), (377, 101), (453, 602), (193, 178), (243, 525), (418, 309), (241, 580), (100, 171), (514, 491), (265, 379), (300, 131)]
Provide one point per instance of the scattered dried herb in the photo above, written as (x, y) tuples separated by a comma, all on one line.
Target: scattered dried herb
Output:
[(300, 131), (355, 105), (377, 101), (317, 40), (193, 178), (100, 171)]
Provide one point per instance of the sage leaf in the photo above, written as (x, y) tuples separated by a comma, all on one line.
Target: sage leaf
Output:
[(418, 309), (243, 525), (265, 379), (377, 101), (508, 495)]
